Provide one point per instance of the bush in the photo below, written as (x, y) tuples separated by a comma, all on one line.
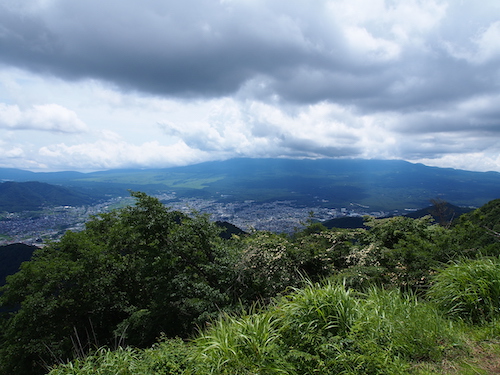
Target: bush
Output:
[(469, 289)]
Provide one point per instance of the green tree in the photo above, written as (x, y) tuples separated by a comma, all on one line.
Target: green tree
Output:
[(131, 275)]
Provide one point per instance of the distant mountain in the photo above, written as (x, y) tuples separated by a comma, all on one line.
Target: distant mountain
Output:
[(374, 184), (30, 196)]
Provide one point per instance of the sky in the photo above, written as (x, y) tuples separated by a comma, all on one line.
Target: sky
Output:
[(91, 85)]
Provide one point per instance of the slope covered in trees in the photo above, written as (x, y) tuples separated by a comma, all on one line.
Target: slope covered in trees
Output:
[(144, 272), (31, 196)]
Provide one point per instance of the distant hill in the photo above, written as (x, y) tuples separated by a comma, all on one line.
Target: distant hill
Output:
[(30, 196), (347, 222), (228, 230), (442, 212), (11, 257), (376, 184), (487, 216)]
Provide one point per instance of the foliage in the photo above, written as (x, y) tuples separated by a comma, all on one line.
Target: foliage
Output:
[(131, 275), (479, 230), (328, 329), (404, 326), (313, 312), (333, 301), (266, 266), (469, 289), (319, 252)]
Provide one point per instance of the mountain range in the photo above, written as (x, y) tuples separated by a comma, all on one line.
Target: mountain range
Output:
[(377, 184)]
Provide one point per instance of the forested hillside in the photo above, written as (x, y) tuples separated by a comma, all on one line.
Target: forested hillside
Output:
[(31, 196), (160, 292)]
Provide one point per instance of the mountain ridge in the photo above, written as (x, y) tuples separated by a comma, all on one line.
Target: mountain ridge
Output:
[(379, 184)]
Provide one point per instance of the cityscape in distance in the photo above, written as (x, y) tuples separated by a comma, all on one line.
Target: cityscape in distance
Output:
[(278, 195)]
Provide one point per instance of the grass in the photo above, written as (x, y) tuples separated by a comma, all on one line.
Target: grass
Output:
[(248, 344), (167, 357), (469, 290), (319, 329)]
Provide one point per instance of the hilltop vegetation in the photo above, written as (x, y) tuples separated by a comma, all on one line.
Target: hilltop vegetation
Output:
[(143, 279)]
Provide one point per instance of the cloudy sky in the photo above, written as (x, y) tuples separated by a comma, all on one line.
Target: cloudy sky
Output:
[(92, 85)]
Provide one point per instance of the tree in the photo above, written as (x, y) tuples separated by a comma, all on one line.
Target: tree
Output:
[(131, 275)]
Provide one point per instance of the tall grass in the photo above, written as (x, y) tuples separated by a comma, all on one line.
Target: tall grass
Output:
[(319, 329), (405, 327), (105, 362), (170, 357), (314, 312), (469, 290), (241, 345)]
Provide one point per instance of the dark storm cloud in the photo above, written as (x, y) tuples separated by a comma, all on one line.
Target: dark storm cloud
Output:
[(309, 148), (208, 48), (334, 78), (194, 47)]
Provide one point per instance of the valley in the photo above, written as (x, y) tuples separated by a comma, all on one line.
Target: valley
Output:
[(278, 195), (38, 227)]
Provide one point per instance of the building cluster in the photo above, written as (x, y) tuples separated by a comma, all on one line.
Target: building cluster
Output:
[(276, 216)]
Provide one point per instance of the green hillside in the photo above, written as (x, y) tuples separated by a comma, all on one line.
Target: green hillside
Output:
[(160, 292), (31, 196)]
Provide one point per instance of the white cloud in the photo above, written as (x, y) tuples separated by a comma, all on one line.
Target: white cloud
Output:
[(105, 154), (46, 117), (476, 161), (363, 43), (488, 44)]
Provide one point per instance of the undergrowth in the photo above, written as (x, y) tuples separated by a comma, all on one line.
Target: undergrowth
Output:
[(319, 329)]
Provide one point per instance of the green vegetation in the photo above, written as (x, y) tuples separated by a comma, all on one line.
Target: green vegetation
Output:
[(147, 290), (31, 196), (469, 289)]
